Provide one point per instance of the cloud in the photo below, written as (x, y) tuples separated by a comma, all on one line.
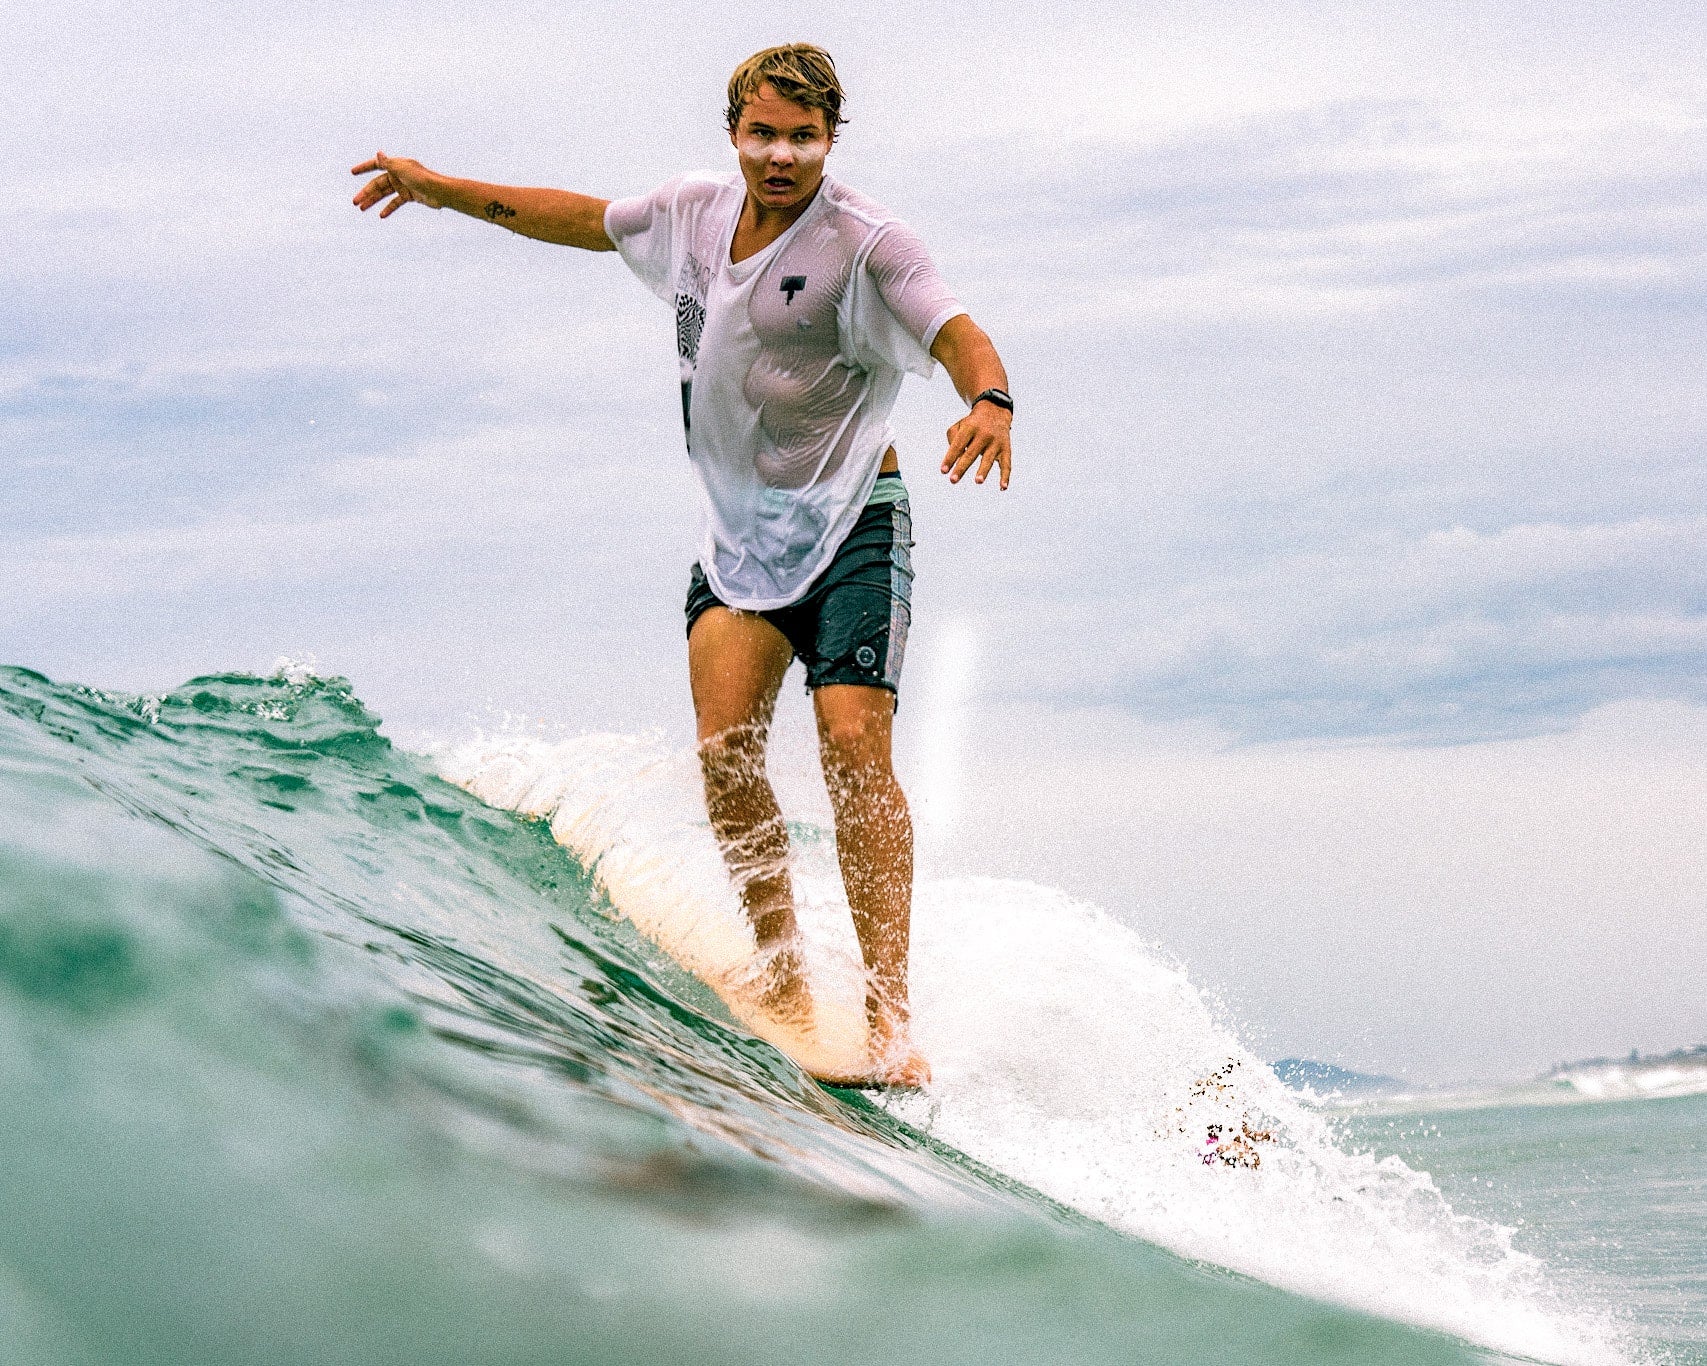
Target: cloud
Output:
[(1453, 634), (1354, 359), (1445, 911), (1359, 207), (496, 491), (1368, 419)]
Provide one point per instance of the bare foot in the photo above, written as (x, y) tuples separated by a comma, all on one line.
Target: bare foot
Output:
[(895, 1059), (910, 1070), (895, 1062), (782, 988)]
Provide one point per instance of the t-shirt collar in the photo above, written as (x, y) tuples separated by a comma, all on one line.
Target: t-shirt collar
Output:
[(745, 270)]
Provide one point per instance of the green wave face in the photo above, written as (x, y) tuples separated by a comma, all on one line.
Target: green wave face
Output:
[(309, 1056)]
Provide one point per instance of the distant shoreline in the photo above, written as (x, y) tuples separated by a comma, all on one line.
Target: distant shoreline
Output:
[(1637, 1061), (1681, 1072)]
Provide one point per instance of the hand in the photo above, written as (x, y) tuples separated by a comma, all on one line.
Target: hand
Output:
[(405, 180), (981, 438)]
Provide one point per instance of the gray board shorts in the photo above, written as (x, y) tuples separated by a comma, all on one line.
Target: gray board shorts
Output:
[(851, 627)]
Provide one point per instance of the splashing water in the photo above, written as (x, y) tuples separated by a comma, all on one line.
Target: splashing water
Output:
[(311, 1055), (1066, 1053)]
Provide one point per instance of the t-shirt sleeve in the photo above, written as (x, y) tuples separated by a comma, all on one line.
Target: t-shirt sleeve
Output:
[(902, 302), (643, 229)]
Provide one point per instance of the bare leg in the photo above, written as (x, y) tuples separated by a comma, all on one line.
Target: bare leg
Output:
[(736, 661), (874, 839)]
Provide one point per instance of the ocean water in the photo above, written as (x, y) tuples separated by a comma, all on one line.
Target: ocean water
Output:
[(315, 1049), (1615, 1191)]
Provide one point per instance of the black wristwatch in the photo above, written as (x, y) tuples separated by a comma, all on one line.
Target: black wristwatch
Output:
[(1000, 397)]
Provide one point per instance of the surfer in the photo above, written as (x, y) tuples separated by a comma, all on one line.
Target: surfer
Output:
[(799, 305)]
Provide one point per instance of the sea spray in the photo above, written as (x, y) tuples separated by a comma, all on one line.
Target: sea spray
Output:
[(1069, 1054)]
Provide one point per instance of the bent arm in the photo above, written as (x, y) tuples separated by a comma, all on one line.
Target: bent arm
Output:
[(982, 436), (561, 216)]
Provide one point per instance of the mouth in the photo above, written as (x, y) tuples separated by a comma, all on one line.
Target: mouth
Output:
[(778, 183)]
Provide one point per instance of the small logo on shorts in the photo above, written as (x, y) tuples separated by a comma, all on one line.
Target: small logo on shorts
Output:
[(792, 285), (865, 657)]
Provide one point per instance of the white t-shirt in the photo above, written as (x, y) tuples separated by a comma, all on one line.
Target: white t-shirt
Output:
[(790, 362)]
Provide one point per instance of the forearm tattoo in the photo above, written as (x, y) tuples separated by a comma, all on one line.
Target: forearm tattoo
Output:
[(495, 211)]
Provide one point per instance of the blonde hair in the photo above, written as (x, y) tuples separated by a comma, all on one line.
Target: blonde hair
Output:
[(799, 72)]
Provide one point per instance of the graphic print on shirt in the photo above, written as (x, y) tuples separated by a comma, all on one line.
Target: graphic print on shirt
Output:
[(691, 286)]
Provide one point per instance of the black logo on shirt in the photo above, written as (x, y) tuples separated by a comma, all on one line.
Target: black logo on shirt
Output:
[(792, 285)]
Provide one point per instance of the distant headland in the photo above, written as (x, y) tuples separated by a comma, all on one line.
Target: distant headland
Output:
[(1681, 1072)]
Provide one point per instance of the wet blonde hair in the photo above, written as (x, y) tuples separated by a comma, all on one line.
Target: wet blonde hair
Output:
[(797, 71)]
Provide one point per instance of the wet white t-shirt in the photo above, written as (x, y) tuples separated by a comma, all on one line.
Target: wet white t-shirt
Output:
[(790, 363)]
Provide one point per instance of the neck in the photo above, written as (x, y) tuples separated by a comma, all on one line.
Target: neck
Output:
[(763, 218)]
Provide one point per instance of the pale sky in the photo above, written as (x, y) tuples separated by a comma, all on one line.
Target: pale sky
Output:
[(1345, 628)]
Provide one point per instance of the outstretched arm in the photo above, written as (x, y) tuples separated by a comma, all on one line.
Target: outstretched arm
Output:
[(573, 220), (981, 437)]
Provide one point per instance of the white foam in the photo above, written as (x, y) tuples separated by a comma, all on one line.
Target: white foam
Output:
[(296, 671), (1634, 1081), (1067, 1054), (1576, 1084)]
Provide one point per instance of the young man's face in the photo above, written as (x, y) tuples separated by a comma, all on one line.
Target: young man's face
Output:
[(782, 146)]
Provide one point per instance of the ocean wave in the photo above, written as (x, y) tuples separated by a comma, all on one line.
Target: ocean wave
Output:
[(1067, 1053), (310, 1054)]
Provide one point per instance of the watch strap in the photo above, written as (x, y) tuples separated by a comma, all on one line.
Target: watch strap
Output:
[(1000, 397)]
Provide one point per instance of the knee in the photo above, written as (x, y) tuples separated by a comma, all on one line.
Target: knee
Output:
[(856, 755), (733, 745), (847, 738), (732, 758)]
